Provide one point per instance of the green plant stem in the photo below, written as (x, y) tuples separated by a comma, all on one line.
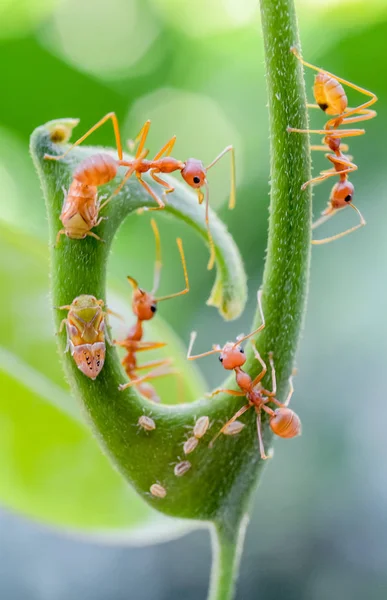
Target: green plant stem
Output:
[(286, 275), (227, 546), (218, 487)]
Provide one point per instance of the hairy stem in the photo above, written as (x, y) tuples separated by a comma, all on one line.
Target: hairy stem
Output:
[(286, 275)]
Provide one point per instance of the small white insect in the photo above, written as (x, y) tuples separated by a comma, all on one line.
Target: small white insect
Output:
[(234, 428), (190, 445), (181, 468), (201, 426), (157, 490), (147, 423)]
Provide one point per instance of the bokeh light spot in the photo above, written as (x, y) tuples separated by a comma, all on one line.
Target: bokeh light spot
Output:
[(102, 38)]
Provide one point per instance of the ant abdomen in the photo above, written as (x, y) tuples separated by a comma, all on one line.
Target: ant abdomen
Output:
[(285, 423), (329, 94), (96, 170)]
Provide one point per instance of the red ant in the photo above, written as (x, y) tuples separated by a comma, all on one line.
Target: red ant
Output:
[(331, 98), (144, 305), (283, 421), (193, 171), (81, 207)]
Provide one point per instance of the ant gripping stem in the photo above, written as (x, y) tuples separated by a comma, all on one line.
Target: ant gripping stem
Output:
[(144, 306), (283, 421)]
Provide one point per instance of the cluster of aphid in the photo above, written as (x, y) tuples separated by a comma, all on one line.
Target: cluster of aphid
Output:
[(86, 319)]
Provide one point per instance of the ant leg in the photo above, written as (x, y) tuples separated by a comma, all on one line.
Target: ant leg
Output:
[(117, 135), (262, 326), (273, 379), (154, 363), (152, 375), (140, 139), (340, 133), (186, 289), (331, 172), (260, 438), (128, 174), (232, 200), (167, 149), (324, 148), (365, 115), (262, 374), (160, 203), (207, 221), (343, 233), (225, 391), (240, 412), (169, 189)]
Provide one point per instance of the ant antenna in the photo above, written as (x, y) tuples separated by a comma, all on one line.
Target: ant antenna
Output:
[(207, 219), (186, 289), (214, 350), (132, 282), (262, 326), (158, 263), (232, 200), (343, 233)]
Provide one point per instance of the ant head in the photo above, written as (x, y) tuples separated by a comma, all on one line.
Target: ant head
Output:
[(144, 305), (194, 173), (232, 356), (342, 194), (285, 423)]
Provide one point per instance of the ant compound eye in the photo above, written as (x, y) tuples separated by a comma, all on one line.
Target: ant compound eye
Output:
[(153, 308), (196, 179), (348, 198), (220, 359)]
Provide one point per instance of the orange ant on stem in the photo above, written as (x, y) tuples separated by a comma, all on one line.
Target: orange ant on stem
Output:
[(144, 305), (283, 421), (332, 99), (192, 170), (81, 207)]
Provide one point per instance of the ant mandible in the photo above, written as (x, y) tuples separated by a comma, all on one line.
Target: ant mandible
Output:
[(193, 171), (144, 306), (331, 98), (283, 421)]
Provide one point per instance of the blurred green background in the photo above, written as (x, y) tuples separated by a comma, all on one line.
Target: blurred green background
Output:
[(319, 524)]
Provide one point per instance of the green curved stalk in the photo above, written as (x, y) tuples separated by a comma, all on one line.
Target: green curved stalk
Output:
[(286, 274), (219, 484)]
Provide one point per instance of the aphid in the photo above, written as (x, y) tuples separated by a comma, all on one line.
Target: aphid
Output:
[(86, 333), (331, 98), (232, 357), (81, 206), (190, 445), (201, 426), (181, 468), (234, 428), (144, 305), (158, 490), (147, 423)]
